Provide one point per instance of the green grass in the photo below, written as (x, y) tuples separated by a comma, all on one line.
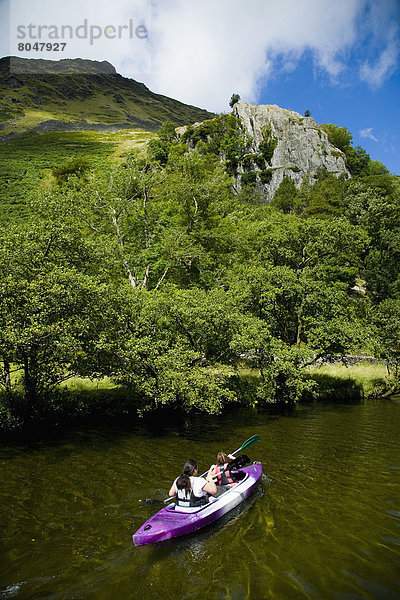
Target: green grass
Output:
[(335, 381), (369, 377), (78, 384), (26, 162)]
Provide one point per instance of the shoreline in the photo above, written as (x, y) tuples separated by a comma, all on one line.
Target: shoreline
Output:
[(84, 401)]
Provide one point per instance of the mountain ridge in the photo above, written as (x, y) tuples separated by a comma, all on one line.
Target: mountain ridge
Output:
[(61, 97)]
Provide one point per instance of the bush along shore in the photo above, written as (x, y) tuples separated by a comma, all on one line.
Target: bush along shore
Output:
[(156, 274), (89, 401)]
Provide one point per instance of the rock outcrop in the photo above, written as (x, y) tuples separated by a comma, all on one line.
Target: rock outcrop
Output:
[(298, 146)]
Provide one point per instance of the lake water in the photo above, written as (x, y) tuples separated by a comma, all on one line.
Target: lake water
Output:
[(324, 524)]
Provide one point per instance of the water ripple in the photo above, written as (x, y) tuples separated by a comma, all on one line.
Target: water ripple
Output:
[(323, 524)]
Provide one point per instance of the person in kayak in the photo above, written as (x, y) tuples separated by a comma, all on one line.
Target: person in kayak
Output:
[(190, 490), (220, 472)]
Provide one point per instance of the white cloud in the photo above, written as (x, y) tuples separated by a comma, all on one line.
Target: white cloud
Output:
[(386, 63), (367, 133), (91, 29), (204, 50), (384, 21)]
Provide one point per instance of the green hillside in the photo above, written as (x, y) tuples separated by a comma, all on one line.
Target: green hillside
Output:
[(27, 161), (81, 94), (153, 272), (76, 109)]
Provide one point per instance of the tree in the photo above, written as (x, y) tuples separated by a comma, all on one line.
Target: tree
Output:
[(307, 113), (339, 137), (296, 275), (234, 99), (386, 318), (357, 160), (287, 196), (167, 132), (177, 349), (325, 198), (372, 202), (54, 316)]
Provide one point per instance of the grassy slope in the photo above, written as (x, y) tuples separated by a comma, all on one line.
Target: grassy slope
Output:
[(103, 98), (26, 162), (368, 377)]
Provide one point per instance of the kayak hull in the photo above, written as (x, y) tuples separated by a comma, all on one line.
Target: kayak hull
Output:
[(170, 522)]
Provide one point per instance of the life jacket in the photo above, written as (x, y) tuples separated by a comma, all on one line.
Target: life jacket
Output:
[(223, 474), (183, 500)]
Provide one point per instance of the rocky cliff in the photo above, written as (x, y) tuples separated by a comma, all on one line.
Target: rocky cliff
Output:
[(291, 145)]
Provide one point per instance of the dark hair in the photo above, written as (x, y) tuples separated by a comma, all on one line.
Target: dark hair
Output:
[(183, 481), (222, 458)]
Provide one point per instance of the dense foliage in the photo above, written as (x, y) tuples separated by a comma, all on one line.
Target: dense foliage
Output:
[(157, 274)]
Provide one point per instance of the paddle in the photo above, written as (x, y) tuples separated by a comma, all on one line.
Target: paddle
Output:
[(239, 462), (246, 444)]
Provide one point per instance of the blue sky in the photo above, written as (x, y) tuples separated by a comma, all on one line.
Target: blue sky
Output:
[(337, 58), (370, 113)]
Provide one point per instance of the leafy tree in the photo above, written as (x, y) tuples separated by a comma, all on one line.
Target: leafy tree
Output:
[(386, 318), (307, 113), (159, 148), (339, 137), (167, 132), (357, 160), (287, 196), (324, 198), (53, 314), (234, 99), (51, 323), (299, 280), (375, 167), (178, 348), (373, 203)]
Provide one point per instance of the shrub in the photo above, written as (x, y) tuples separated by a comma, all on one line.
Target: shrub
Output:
[(249, 178), (265, 176), (77, 167)]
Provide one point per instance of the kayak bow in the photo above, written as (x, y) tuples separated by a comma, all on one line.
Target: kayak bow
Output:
[(171, 522)]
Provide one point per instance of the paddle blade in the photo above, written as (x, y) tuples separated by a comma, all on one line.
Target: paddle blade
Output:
[(239, 462), (249, 442)]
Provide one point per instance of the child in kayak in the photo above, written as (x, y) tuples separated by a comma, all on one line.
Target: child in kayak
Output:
[(190, 490), (220, 472)]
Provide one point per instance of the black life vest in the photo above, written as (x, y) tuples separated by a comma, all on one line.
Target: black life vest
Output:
[(192, 501), (223, 474), (183, 500)]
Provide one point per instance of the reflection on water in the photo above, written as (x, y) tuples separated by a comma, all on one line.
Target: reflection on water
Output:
[(325, 525)]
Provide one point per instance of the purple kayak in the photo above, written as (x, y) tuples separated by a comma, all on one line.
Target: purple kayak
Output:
[(170, 522)]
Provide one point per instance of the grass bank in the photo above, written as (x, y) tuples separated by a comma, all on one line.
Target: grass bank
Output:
[(368, 378), (84, 400), (335, 381)]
